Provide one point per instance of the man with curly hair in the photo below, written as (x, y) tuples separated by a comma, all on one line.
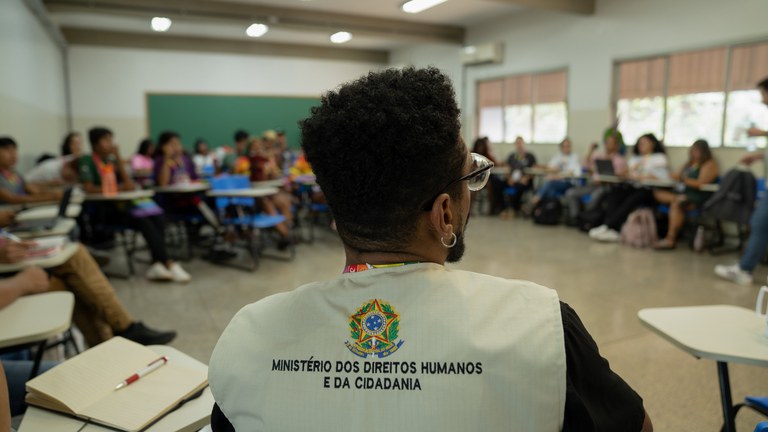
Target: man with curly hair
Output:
[(398, 341)]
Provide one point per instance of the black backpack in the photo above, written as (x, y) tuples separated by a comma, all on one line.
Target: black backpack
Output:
[(548, 212)]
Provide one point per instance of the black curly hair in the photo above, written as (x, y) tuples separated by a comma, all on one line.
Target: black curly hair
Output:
[(381, 147)]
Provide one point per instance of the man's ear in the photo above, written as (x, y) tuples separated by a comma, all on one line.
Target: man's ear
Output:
[(442, 216)]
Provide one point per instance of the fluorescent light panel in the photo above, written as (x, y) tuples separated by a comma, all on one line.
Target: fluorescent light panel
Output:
[(416, 6), (161, 24), (257, 30), (341, 37)]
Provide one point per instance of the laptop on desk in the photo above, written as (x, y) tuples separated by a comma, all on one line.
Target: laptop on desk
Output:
[(45, 224), (605, 167)]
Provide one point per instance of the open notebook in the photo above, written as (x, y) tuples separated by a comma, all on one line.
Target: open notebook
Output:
[(84, 386)]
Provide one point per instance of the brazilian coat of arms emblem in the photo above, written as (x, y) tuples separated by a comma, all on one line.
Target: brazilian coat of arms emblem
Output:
[(373, 330)]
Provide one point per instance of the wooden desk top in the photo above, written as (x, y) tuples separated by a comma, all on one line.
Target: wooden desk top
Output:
[(721, 332), (120, 196), (192, 416), (36, 317)]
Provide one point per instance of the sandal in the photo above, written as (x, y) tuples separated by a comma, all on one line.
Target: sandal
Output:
[(664, 244)]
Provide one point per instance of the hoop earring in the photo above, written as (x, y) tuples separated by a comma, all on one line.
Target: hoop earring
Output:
[(453, 242)]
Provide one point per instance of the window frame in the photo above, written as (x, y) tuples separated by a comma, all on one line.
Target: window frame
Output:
[(726, 90), (503, 78)]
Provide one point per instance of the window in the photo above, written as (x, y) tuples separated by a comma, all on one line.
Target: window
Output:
[(531, 106), (683, 97)]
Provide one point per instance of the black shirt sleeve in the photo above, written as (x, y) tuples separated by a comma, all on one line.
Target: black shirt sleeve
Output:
[(596, 398), (219, 422)]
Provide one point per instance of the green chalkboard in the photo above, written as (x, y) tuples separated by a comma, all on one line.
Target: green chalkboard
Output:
[(215, 118)]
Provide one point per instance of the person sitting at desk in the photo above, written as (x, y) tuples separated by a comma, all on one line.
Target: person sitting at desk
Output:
[(13, 188), (518, 162), (612, 151), (104, 168), (72, 145), (53, 171), (98, 313), (205, 161), (231, 160), (564, 162), (482, 146), (142, 163), (649, 163), (701, 169), (399, 339)]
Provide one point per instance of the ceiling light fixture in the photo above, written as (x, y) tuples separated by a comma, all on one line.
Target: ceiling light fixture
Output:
[(416, 6), (161, 24), (257, 30), (341, 37)]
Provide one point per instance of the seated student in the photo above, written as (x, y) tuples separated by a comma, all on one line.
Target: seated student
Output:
[(171, 165), (230, 162), (458, 350), (612, 144), (482, 146), (285, 157), (701, 169), (564, 162), (263, 166), (53, 171), (104, 165), (649, 163), (13, 188), (205, 161), (72, 145), (98, 312), (142, 163), (518, 162)]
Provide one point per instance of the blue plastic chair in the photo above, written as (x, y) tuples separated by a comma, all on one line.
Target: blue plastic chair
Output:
[(241, 214), (762, 427), (759, 404)]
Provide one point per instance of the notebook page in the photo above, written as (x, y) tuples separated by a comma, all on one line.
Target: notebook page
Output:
[(93, 374), (133, 407)]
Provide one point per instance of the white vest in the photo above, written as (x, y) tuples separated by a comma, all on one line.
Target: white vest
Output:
[(412, 348)]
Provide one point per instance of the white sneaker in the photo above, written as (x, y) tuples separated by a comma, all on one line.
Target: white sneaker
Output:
[(178, 274), (609, 236), (159, 272), (734, 274), (597, 230)]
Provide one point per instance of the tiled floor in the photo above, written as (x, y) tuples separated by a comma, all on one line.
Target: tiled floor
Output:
[(606, 283)]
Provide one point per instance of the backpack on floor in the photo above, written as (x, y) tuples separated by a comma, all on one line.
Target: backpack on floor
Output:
[(589, 219), (548, 212), (640, 229)]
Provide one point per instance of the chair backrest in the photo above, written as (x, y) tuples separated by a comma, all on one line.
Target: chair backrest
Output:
[(232, 182), (762, 427)]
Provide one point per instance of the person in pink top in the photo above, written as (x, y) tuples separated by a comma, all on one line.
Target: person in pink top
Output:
[(612, 144)]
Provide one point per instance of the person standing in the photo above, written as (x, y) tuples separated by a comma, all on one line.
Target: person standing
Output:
[(741, 273)]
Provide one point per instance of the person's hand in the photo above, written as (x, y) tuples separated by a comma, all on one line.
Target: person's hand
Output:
[(755, 132), (32, 280), (750, 158), (13, 252), (593, 146), (6, 217)]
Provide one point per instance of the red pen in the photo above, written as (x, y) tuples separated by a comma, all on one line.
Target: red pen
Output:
[(153, 366)]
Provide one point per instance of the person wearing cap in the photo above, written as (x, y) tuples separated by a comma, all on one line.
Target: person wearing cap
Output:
[(399, 341)]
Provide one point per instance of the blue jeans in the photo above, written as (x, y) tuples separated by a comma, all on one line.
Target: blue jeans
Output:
[(552, 189), (758, 237), (17, 373)]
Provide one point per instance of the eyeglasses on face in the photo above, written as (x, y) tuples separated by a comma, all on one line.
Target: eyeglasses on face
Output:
[(476, 179)]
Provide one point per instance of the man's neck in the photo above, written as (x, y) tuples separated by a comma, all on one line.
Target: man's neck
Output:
[(393, 257)]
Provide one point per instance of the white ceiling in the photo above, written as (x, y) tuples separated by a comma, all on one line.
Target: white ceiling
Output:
[(460, 13)]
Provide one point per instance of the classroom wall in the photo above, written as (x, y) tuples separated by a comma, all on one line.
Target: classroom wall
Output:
[(109, 84), (588, 46), (32, 88)]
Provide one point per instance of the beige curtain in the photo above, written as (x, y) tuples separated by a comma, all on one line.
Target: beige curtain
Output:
[(697, 71), (641, 78), (550, 87), (490, 93), (749, 65), (518, 90)]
